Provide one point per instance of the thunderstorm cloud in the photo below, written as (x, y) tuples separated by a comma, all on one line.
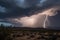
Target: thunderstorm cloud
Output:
[(28, 13)]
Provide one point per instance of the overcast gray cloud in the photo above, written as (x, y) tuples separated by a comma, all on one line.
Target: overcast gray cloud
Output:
[(2, 9), (26, 3), (22, 3)]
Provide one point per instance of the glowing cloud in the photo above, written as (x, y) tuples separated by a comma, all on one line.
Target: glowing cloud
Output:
[(27, 21), (50, 12), (37, 20)]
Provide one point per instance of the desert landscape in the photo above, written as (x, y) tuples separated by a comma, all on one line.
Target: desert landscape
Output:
[(21, 33)]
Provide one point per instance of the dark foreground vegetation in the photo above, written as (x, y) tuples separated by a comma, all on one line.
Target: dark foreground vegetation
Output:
[(19, 33)]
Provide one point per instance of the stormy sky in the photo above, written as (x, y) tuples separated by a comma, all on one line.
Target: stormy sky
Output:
[(11, 10)]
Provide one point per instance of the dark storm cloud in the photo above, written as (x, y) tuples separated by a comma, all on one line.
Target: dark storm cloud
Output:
[(2, 9), (15, 11), (7, 3), (26, 3)]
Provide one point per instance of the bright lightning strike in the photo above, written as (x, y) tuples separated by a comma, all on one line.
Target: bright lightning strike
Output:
[(44, 24), (47, 13)]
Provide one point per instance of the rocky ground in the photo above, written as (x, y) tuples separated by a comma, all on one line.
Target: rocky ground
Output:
[(35, 35), (32, 34)]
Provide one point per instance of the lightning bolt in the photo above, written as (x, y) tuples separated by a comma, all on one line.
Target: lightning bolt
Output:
[(44, 24)]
